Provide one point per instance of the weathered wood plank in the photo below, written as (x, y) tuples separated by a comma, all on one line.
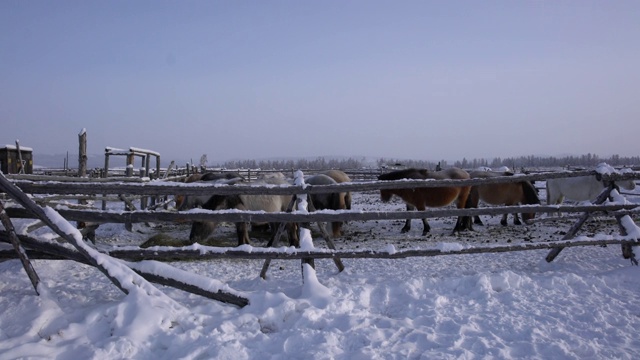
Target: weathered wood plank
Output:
[(206, 253), (25, 201), (19, 250), (54, 251), (99, 216), (172, 188)]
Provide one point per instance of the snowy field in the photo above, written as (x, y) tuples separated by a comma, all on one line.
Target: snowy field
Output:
[(584, 305)]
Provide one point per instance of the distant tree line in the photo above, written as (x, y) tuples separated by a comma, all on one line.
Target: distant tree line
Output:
[(321, 163)]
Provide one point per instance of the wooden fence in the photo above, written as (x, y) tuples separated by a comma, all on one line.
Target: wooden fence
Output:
[(118, 188)]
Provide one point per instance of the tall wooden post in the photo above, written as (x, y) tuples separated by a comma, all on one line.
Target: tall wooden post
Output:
[(82, 172), (158, 167), (105, 175), (147, 164), (20, 163), (82, 153), (130, 160)]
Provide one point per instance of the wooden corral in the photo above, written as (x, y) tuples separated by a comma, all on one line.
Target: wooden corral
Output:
[(117, 189), (161, 188), (13, 161)]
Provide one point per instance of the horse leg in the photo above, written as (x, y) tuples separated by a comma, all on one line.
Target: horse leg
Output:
[(463, 223), (467, 197), (477, 220), (243, 233), (503, 221), (407, 223), (292, 232), (425, 226), (516, 219), (336, 228)]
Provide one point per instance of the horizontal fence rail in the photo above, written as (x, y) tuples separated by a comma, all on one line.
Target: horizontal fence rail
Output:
[(317, 216), (199, 252), (172, 188), (155, 188)]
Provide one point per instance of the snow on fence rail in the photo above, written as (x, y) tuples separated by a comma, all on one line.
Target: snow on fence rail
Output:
[(159, 187), (629, 232), (156, 188)]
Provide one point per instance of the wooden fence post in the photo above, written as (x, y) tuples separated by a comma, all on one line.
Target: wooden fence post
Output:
[(22, 255), (82, 172), (28, 204), (82, 153), (574, 229), (105, 175), (20, 163)]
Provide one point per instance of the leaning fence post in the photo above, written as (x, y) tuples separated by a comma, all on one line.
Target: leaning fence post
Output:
[(574, 229), (22, 255), (274, 241), (30, 205)]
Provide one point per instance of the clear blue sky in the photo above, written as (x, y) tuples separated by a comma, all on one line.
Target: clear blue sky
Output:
[(425, 80)]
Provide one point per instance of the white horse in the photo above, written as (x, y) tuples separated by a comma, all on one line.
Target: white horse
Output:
[(580, 188)]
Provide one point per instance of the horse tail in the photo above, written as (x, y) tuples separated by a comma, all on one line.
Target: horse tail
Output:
[(347, 200), (530, 193)]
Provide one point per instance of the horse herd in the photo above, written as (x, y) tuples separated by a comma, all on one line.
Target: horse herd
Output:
[(419, 198)]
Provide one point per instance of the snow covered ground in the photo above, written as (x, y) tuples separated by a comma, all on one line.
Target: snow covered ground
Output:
[(584, 305)]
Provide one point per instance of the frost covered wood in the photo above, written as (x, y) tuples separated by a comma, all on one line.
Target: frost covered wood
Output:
[(165, 188), (206, 253), (168, 276), (118, 274), (318, 216), (19, 250)]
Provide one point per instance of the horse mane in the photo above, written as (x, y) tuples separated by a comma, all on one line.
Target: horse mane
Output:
[(530, 193), (411, 173)]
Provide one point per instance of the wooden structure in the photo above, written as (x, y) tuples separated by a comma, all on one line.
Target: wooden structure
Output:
[(619, 209), (13, 161), (131, 154)]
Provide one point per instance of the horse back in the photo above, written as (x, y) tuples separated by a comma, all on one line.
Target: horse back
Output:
[(481, 174), (578, 188), (449, 173), (337, 175), (341, 177), (411, 173)]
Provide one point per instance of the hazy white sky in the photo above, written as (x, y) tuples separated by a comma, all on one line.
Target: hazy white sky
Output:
[(425, 80)]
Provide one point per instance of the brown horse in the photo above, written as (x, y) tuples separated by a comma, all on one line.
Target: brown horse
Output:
[(512, 193), (421, 198)]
